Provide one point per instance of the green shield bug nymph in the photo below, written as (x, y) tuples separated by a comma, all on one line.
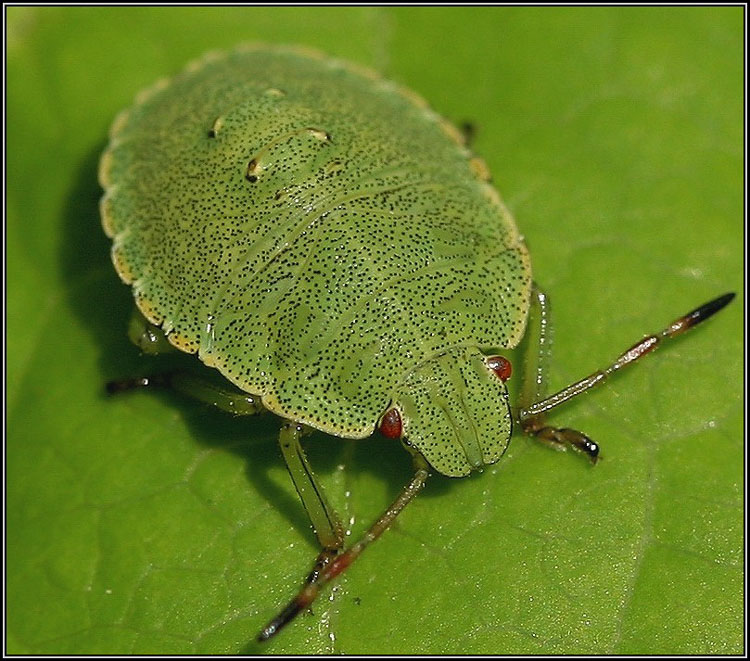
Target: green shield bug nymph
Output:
[(332, 247)]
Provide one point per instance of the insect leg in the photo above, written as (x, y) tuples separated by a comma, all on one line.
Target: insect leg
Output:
[(324, 519), (469, 132), (534, 381), (531, 415), (310, 591), (149, 338), (224, 398), (539, 347)]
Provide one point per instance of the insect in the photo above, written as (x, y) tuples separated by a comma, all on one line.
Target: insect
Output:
[(334, 249)]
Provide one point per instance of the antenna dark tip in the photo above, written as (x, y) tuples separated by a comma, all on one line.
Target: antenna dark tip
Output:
[(707, 309)]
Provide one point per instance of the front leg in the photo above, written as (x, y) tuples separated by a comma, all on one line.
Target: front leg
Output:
[(534, 384), (326, 523)]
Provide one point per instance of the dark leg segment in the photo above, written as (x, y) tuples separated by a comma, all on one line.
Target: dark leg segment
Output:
[(561, 438)]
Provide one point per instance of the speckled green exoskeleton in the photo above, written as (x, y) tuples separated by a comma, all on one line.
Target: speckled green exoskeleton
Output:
[(333, 248)]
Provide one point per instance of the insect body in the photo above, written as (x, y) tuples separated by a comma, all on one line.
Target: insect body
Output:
[(331, 246)]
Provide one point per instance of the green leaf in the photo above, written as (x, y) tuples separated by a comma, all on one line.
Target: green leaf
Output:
[(147, 524)]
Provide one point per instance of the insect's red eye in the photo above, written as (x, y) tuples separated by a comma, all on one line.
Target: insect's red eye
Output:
[(500, 366), (390, 425)]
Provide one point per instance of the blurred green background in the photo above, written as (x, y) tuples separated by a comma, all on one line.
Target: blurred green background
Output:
[(147, 524)]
